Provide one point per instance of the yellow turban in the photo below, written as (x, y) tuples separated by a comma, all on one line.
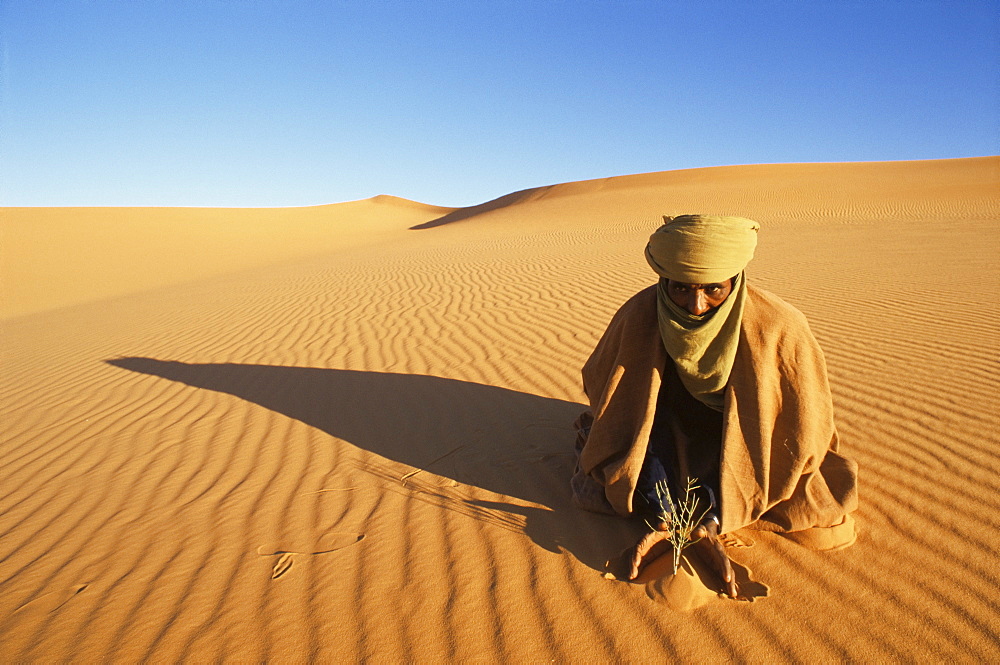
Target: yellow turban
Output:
[(702, 249)]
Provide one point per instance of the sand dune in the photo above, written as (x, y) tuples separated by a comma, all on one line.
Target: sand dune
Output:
[(54, 257), (343, 433)]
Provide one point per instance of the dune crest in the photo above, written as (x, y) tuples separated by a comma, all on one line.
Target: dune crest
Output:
[(846, 192)]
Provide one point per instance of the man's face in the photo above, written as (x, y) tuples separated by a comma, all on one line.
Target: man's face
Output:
[(699, 299)]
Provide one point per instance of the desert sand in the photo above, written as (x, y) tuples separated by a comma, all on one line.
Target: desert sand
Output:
[(343, 432)]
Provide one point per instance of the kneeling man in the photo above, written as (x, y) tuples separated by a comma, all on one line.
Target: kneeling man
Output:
[(705, 377)]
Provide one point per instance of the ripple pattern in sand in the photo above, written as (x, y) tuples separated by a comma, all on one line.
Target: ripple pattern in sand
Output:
[(364, 456)]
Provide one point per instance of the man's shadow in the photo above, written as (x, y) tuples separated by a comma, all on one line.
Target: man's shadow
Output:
[(507, 442)]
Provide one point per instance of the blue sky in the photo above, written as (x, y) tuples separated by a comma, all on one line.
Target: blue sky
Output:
[(280, 103)]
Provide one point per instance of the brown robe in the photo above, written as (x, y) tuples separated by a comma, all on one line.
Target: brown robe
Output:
[(780, 469)]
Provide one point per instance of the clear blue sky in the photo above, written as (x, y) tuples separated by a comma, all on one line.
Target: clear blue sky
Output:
[(279, 102)]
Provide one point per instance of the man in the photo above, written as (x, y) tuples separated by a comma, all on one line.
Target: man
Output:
[(705, 377)]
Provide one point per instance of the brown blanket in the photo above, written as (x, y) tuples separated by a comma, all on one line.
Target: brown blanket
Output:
[(779, 470)]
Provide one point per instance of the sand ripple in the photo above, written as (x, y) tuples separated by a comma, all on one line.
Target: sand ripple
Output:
[(363, 453)]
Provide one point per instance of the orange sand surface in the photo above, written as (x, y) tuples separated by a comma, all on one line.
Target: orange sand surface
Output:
[(343, 432)]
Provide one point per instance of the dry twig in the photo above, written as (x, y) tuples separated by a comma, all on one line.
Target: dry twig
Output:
[(681, 517)]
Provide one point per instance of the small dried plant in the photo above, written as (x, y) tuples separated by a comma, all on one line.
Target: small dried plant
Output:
[(682, 517)]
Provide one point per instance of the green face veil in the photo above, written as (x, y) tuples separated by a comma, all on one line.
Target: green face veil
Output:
[(698, 249)]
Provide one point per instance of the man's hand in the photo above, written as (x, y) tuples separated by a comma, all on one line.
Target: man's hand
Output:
[(713, 551), (656, 543), (650, 547)]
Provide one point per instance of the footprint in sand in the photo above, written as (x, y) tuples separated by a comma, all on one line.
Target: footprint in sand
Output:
[(287, 551), (284, 564)]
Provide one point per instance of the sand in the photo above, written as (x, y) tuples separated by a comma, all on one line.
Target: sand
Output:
[(343, 433)]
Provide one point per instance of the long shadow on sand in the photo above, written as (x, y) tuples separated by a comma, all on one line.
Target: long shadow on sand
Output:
[(511, 443)]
